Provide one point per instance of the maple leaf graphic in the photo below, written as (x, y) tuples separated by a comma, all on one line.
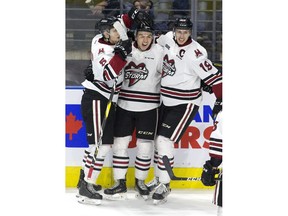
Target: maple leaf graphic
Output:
[(72, 125)]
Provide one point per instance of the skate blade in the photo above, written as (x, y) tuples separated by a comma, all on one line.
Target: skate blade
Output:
[(78, 195), (87, 201), (119, 196), (145, 197), (159, 202)]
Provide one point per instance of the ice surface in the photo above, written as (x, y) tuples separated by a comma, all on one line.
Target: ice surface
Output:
[(181, 202)]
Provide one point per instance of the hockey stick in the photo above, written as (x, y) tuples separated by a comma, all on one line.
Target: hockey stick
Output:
[(173, 177), (106, 114), (107, 111)]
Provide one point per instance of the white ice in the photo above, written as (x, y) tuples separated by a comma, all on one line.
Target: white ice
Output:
[(180, 202)]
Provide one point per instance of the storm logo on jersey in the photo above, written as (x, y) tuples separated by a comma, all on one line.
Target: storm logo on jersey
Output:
[(168, 66), (135, 73)]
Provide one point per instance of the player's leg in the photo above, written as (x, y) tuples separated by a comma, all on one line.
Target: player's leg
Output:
[(120, 167), (151, 185), (93, 108), (87, 185), (142, 165), (165, 147), (95, 162), (146, 124), (173, 122), (88, 189), (123, 133)]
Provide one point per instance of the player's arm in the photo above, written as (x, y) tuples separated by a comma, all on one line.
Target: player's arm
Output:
[(213, 84), (163, 39), (118, 61), (217, 86), (207, 71), (137, 16), (131, 17), (209, 75)]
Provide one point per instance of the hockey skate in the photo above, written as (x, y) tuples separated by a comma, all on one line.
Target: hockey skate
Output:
[(153, 184), (81, 178), (117, 192), (142, 190), (161, 193), (88, 195)]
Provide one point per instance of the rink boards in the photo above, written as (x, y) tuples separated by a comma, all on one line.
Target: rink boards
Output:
[(190, 153)]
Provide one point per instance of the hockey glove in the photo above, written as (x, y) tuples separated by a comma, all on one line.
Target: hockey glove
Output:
[(131, 35), (123, 48), (140, 16), (88, 73), (217, 107), (206, 87), (208, 174)]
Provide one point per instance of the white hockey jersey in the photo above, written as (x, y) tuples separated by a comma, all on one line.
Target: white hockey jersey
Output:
[(140, 89), (182, 71), (104, 73)]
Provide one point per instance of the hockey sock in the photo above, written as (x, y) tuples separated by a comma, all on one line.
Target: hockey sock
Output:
[(143, 158), (165, 146), (120, 157)]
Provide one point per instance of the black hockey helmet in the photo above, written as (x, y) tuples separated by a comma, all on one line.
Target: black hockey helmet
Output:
[(143, 27), (183, 23), (105, 24)]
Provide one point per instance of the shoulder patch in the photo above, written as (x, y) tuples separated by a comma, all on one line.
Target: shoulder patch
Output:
[(198, 53), (101, 50)]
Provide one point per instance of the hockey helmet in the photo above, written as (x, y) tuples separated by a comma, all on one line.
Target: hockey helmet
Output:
[(183, 23), (105, 24), (143, 27)]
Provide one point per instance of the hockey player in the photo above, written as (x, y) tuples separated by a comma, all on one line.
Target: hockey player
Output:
[(108, 57), (185, 64), (210, 168), (137, 108)]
